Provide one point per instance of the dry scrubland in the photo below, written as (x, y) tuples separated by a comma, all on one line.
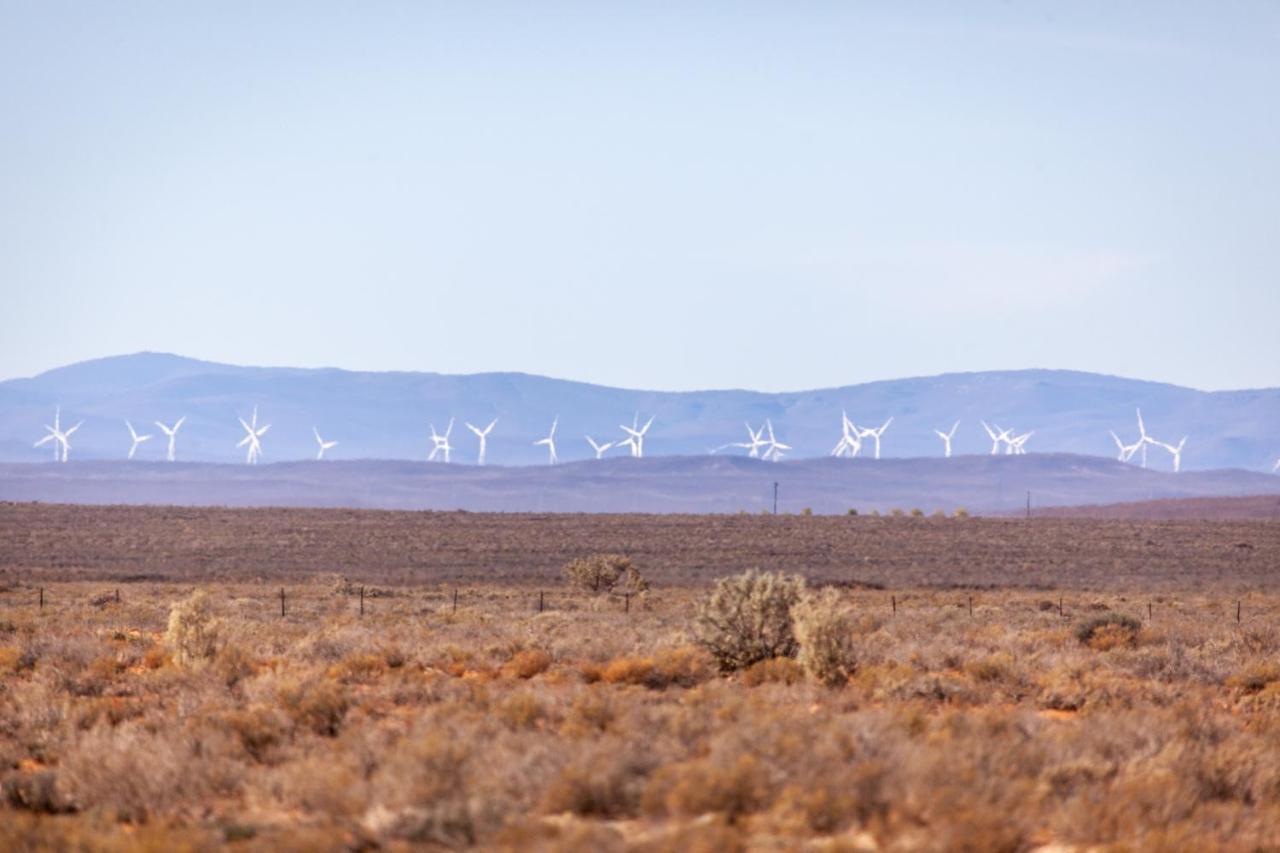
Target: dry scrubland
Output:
[(1004, 727)]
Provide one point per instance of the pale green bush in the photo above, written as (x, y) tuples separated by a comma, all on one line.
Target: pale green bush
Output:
[(824, 631), (747, 618)]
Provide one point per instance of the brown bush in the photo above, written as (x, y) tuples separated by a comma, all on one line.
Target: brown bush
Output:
[(193, 631), (600, 573), (683, 667), (528, 663), (700, 787), (824, 632), (1108, 631), (317, 704), (773, 671)]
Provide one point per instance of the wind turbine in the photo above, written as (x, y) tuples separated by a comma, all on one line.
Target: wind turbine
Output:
[(441, 442), (996, 437), (1275, 467), (253, 438), (1017, 444), (172, 432), (483, 435), (56, 434), (752, 446), (635, 435), (599, 448), (774, 452), (137, 439), (946, 438), (323, 445), (875, 433), (1176, 452), (550, 442), (850, 438), (1126, 451), (1145, 439)]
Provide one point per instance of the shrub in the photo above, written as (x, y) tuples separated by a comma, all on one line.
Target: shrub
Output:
[(1108, 631), (316, 704), (917, 512), (192, 636), (852, 511), (807, 511), (528, 663), (747, 618), (602, 572), (773, 671), (896, 512), (824, 630), (684, 667), (960, 512)]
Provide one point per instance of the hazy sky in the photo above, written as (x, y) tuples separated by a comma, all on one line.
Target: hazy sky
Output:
[(660, 195)]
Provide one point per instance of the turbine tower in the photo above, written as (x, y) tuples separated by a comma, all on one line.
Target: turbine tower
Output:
[(774, 452), (850, 438), (253, 438), (323, 445), (599, 448), (57, 435), (483, 435), (550, 442), (946, 438), (635, 435), (1145, 439), (137, 439), (172, 432), (875, 433), (440, 442)]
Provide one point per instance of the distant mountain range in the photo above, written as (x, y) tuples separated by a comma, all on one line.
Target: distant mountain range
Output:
[(981, 484), (386, 415)]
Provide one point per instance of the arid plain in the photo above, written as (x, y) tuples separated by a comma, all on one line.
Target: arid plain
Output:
[(436, 681)]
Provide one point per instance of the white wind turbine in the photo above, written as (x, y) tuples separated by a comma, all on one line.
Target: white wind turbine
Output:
[(483, 435), (850, 438), (322, 444), (635, 435), (752, 446), (1018, 444), (1176, 452), (875, 433), (1145, 439), (440, 443), (774, 452), (57, 435), (599, 448), (137, 439), (946, 438), (253, 437), (1275, 467), (172, 432), (996, 437), (550, 442), (1126, 451)]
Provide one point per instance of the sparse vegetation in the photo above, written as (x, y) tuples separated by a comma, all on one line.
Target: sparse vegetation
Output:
[(589, 727), (601, 573)]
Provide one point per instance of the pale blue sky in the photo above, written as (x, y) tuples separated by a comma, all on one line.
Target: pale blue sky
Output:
[(662, 195)]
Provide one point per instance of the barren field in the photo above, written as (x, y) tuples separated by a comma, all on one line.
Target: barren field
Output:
[(1057, 684), (123, 544)]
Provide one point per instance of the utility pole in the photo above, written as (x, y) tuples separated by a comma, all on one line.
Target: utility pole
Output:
[(775, 498), (1028, 503)]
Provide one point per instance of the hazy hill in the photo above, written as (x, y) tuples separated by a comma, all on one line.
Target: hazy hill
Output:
[(385, 415), (663, 484)]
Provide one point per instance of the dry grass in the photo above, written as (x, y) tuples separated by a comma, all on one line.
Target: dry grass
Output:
[(585, 726)]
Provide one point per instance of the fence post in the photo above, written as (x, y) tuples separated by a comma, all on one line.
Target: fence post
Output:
[(540, 600), (282, 602), (1061, 615), (42, 598), (971, 607), (626, 602), (361, 601), (117, 595), (455, 599), (1149, 611), (893, 601), (1237, 611)]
